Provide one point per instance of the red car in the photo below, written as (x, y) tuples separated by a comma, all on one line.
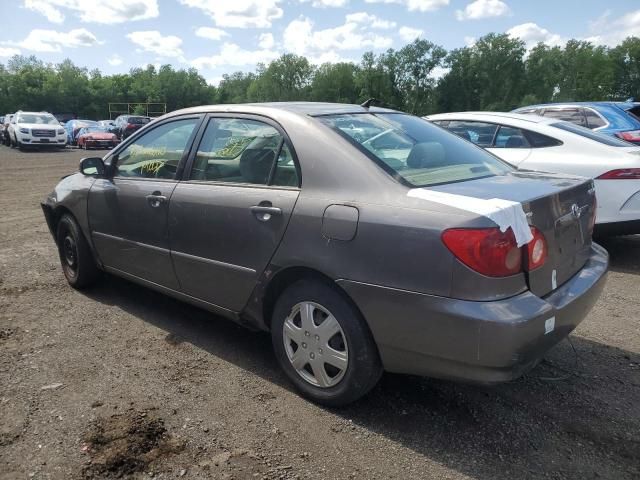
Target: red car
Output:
[(96, 137)]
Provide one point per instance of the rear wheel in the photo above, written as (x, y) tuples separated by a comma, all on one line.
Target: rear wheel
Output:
[(78, 264), (323, 344)]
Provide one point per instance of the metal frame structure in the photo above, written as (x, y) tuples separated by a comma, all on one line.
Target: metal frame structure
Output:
[(151, 109)]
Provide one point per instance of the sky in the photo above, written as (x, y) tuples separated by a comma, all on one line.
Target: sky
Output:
[(223, 36)]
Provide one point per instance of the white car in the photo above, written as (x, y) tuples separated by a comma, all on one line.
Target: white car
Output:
[(530, 142), (36, 129)]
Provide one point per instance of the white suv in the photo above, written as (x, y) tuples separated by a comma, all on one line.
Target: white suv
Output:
[(37, 129)]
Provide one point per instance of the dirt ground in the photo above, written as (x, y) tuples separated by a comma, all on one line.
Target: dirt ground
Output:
[(121, 382)]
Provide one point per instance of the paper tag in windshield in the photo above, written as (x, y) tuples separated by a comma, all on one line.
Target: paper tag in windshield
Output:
[(554, 279)]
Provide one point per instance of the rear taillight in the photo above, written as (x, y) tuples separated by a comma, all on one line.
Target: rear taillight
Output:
[(494, 253), (621, 174), (130, 126), (630, 136)]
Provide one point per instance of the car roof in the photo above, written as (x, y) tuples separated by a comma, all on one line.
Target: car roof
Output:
[(488, 116), (584, 104), (301, 108)]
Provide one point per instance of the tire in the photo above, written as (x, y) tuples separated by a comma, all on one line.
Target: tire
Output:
[(349, 345), (78, 264)]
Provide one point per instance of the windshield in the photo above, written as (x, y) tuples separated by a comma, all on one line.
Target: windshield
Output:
[(415, 151), (591, 135), (92, 129), (37, 118)]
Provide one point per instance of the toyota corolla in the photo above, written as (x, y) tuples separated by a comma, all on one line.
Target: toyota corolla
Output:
[(362, 238)]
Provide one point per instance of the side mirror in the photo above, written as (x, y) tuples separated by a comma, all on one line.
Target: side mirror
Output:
[(92, 166)]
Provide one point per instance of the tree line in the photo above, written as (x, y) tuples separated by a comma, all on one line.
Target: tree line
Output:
[(495, 73)]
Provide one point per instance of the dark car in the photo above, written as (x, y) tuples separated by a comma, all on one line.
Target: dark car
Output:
[(618, 119), (363, 238), (126, 125), (4, 129)]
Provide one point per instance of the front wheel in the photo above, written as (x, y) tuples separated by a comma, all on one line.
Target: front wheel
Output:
[(323, 344), (78, 264)]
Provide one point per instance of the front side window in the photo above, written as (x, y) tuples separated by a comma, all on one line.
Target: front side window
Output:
[(414, 151), (591, 135), (158, 152), (242, 150)]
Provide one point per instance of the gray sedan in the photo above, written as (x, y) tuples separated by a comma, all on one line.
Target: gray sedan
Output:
[(363, 239)]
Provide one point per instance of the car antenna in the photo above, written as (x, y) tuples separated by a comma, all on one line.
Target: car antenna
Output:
[(367, 103)]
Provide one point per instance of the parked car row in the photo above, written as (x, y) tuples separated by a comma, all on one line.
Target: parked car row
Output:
[(364, 239), (36, 129)]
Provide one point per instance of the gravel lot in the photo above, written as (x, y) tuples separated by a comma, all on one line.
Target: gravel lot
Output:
[(119, 381)]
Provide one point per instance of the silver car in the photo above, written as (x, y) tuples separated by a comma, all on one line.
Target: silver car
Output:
[(363, 239)]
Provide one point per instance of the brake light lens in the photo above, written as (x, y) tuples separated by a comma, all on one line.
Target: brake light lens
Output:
[(631, 136), (494, 253), (130, 126), (621, 174)]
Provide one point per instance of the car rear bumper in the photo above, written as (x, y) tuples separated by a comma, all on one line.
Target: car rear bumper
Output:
[(486, 342)]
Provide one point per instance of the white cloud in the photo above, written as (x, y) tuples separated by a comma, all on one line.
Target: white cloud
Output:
[(409, 34), (300, 37), (153, 41), (532, 34), (372, 20), (211, 33), (266, 41), (45, 8), (470, 41), (114, 60), (239, 13), (95, 11), (612, 32), (232, 55), (483, 9), (326, 3), (416, 5), (40, 40), (8, 51)]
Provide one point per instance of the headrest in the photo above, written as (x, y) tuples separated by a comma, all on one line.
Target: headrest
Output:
[(255, 165), (426, 155), (515, 141)]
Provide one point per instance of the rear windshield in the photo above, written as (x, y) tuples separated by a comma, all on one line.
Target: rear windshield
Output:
[(414, 151), (590, 134), (138, 120)]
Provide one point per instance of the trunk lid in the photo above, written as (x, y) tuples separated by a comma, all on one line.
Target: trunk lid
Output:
[(560, 206)]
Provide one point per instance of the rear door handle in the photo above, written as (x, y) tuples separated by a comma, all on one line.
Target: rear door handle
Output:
[(264, 213), (156, 199)]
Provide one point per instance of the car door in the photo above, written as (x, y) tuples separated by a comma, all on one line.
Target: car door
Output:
[(231, 210), (128, 212), (511, 144)]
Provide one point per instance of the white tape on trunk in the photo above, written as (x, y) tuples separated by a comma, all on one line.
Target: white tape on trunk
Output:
[(505, 213)]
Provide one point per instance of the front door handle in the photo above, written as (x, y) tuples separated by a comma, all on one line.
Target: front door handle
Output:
[(156, 199), (264, 212)]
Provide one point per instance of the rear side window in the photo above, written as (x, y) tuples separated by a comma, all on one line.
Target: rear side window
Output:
[(573, 115), (538, 140), (482, 134), (510, 137), (591, 135), (414, 151), (240, 150), (593, 119), (634, 112)]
